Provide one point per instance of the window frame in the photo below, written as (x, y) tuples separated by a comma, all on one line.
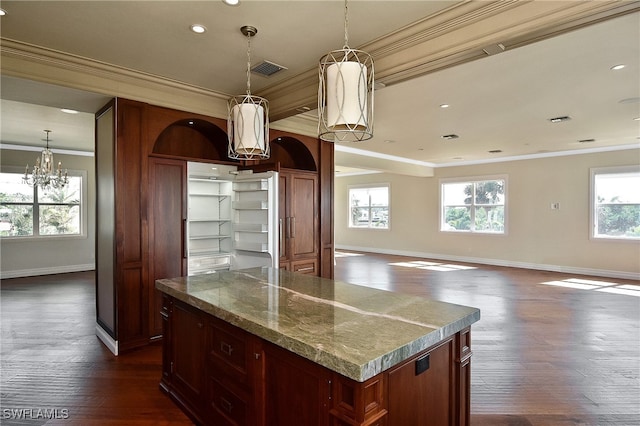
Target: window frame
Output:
[(36, 209), (387, 186), (474, 179), (593, 172)]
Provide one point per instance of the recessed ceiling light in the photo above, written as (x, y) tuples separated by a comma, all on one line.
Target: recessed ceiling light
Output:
[(449, 137), (198, 29), (586, 140), (617, 67), (444, 106), (637, 119), (2, 12), (69, 111), (495, 151), (560, 119), (231, 2)]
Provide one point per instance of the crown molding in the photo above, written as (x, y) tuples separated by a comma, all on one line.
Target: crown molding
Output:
[(452, 37), (24, 60)]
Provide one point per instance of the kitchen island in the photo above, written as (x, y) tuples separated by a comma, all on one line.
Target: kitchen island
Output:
[(266, 346)]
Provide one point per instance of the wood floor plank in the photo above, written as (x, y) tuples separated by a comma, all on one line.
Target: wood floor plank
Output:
[(543, 354)]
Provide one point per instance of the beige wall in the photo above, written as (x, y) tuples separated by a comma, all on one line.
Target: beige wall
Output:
[(51, 255), (537, 236)]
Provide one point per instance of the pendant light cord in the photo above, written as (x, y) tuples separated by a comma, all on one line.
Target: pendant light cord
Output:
[(346, 25), (249, 64)]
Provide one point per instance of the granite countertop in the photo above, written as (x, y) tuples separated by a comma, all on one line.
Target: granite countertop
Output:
[(353, 330)]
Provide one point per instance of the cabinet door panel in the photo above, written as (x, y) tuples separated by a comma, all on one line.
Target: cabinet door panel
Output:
[(297, 390), (188, 351), (421, 395), (304, 215), (167, 182)]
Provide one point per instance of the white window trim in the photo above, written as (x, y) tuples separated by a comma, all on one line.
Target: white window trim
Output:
[(368, 185), (592, 201), (443, 181), (83, 210)]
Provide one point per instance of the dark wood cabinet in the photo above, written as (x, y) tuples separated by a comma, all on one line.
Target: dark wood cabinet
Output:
[(220, 374), (431, 378), (167, 213), (141, 155), (299, 216)]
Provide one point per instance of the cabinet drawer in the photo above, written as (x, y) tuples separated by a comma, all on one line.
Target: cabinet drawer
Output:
[(306, 266), (228, 347), (226, 407)]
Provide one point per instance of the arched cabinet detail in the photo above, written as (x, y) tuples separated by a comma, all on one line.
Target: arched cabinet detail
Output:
[(292, 153), (192, 138)]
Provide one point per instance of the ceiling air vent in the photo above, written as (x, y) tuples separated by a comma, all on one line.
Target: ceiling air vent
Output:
[(450, 137), (560, 119), (267, 68)]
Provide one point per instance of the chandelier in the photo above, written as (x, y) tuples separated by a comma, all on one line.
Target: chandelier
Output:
[(248, 119), (345, 94), (43, 174)]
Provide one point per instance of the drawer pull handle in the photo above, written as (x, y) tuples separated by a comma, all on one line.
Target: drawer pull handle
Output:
[(422, 364), (226, 348), (164, 314), (226, 404), (309, 268)]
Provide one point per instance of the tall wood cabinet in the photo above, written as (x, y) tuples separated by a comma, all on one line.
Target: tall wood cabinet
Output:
[(299, 215), (141, 156)]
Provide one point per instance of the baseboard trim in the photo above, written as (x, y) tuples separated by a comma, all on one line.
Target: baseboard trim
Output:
[(499, 262), (107, 340), (20, 273)]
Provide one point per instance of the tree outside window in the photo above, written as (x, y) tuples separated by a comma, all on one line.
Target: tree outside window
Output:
[(616, 203), (27, 211), (369, 207), (473, 206)]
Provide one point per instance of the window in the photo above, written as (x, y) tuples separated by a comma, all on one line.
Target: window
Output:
[(615, 195), (473, 205), (27, 211), (369, 207)]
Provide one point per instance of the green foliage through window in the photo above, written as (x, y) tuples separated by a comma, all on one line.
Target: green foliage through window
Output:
[(26, 211), (616, 204), (474, 206)]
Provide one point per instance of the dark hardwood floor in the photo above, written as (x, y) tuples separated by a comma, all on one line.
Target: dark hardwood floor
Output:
[(566, 353)]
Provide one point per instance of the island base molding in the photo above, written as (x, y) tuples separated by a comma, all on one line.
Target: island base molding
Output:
[(221, 375)]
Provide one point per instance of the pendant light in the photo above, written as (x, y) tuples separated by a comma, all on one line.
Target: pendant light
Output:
[(44, 175), (345, 94), (248, 119)]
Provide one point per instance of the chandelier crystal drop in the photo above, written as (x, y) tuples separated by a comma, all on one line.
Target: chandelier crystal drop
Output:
[(43, 174), (345, 94), (248, 118)]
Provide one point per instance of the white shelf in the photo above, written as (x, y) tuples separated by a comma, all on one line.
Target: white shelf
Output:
[(257, 247), (204, 219), (259, 185), (208, 237), (250, 205), (251, 227), (206, 253), (204, 194)]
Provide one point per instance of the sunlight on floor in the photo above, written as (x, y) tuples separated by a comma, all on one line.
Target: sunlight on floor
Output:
[(601, 286), (433, 266), (346, 254)]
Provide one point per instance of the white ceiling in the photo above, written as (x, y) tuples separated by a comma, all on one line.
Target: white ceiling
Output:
[(499, 102)]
